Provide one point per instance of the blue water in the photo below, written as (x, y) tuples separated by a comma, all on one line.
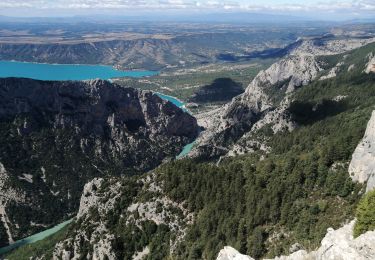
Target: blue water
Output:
[(43, 71), (34, 238), (174, 100), (186, 150)]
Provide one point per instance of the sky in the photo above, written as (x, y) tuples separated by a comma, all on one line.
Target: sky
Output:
[(331, 9)]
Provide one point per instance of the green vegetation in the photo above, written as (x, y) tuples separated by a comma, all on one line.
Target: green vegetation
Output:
[(365, 214), (293, 194), (184, 83)]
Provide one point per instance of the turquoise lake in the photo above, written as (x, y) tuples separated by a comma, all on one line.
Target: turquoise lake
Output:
[(43, 71)]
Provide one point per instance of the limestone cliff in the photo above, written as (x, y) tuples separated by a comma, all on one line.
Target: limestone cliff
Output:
[(329, 45), (337, 244), (267, 97), (104, 199), (56, 136), (362, 166), (229, 253), (239, 116), (371, 63)]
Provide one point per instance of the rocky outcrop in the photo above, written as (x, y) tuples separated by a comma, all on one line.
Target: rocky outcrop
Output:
[(238, 117), (333, 72), (362, 166), (329, 45), (293, 71), (370, 67), (229, 253), (56, 136), (93, 105), (337, 244), (97, 109), (266, 99), (128, 216), (7, 194)]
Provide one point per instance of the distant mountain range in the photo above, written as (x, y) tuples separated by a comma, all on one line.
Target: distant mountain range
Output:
[(229, 17), (223, 17)]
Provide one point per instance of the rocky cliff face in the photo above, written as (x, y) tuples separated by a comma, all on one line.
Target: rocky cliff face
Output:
[(371, 63), (239, 116), (267, 98), (337, 244), (329, 45), (56, 136), (362, 166), (97, 237), (229, 253)]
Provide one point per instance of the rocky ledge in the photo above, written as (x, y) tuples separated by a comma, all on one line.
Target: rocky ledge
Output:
[(337, 244), (362, 166)]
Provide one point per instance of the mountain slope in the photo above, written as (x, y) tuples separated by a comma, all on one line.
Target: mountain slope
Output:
[(163, 49), (56, 136), (337, 244), (230, 128), (261, 203)]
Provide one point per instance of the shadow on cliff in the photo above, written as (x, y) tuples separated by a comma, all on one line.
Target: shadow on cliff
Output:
[(306, 113)]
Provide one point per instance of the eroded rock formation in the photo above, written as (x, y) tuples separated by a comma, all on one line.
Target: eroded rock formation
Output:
[(337, 244), (56, 136), (362, 166)]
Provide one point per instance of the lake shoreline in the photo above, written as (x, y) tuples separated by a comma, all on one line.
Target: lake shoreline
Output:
[(116, 67), (61, 72)]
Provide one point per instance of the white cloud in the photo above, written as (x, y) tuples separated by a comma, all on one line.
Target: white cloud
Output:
[(353, 6)]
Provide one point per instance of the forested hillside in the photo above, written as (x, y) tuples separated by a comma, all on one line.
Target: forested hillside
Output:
[(260, 203)]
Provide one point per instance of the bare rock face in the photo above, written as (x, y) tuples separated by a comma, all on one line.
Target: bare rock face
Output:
[(299, 70), (57, 136), (371, 64), (94, 105), (238, 117), (328, 45), (267, 97), (7, 194), (362, 166), (337, 244), (229, 253), (104, 199), (97, 109)]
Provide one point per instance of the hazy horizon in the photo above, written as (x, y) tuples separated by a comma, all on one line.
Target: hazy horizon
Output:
[(309, 9)]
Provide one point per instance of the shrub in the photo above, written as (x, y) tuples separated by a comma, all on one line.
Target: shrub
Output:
[(365, 214)]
